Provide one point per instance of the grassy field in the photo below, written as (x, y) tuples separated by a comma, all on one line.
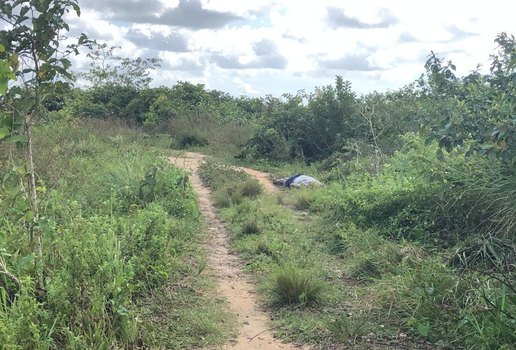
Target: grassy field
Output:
[(123, 253), (370, 260), (332, 280)]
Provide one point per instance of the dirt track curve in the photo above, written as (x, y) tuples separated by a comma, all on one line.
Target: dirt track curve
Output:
[(232, 283)]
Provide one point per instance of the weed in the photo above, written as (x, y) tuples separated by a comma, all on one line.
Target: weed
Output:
[(251, 227), (294, 286), (366, 269), (304, 198), (336, 244), (493, 326), (221, 200), (234, 194), (119, 226), (349, 328), (227, 196), (250, 188), (216, 176), (177, 316)]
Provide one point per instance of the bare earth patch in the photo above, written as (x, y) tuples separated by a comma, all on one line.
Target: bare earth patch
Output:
[(232, 283)]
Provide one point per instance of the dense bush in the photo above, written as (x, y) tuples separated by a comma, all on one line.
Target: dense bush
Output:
[(293, 129), (461, 207), (435, 201), (154, 107), (89, 284), (100, 102)]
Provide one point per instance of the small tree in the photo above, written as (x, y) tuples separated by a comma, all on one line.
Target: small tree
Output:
[(32, 46), (480, 116), (108, 69)]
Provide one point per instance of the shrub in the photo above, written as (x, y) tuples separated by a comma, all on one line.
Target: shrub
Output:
[(192, 139), (429, 293), (267, 143), (22, 321), (233, 194), (366, 269), (491, 326), (305, 198), (221, 199), (116, 220), (138, 179), (230, 186), (150, 241)]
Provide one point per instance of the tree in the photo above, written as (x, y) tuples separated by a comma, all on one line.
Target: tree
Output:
[(481, 115), (309, 127), (108, 69), (333, 120), (32, 46)]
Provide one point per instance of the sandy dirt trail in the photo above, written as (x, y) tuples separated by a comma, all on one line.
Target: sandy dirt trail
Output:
[(232, 283)]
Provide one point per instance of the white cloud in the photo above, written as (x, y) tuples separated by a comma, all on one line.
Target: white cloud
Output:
[(265, 46)]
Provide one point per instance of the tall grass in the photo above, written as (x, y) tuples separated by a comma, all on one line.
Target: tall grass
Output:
[(223, 139), (119, 226)]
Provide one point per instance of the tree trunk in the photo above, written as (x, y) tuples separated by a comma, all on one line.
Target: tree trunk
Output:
[(35, 231)]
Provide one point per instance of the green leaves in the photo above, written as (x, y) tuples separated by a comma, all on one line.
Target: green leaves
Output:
[(36, 30), (6, 74), (4, 132), (41, 5), (77, 9), (478, 113), (10, 125)]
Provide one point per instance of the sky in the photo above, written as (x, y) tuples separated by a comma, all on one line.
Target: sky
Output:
[(261, 47)]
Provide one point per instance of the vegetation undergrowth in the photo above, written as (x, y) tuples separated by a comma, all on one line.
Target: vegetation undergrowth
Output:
[(379, 258), (122, 249), (410, 243)]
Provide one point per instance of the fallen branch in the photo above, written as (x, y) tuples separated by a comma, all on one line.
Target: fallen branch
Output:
[(257, 334), (3, 271)]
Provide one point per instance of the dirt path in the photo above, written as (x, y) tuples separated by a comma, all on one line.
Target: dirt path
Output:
[(233, 284), (262, 177)]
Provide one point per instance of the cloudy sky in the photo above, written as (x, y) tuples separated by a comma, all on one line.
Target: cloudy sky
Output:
[(259, 47)]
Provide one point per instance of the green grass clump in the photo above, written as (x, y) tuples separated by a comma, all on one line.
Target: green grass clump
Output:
[(366, 269), (305, 198), (349, 328), (216, 176), (251, 227), (234, 194), (293, 286), (250, 188), (230, 186), (227, 196)]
